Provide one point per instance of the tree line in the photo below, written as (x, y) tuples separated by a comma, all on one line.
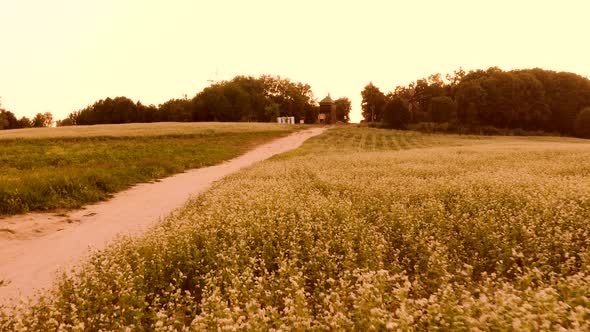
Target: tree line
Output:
[(241, 99), (529, 99), (9, 121)]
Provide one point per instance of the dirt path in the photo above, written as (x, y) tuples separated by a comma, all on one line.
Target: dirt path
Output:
[(33, 247)]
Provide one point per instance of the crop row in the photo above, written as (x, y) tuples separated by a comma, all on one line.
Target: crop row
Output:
[(465, 234)]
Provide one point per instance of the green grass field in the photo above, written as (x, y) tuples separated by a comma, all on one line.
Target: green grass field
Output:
[(359, 229), (66, 167)]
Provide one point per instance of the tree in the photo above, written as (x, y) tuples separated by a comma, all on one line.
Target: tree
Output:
[(3, 120), (64, 123), (48, 119), (530, 99), (25, 122), (43, 120), (38, 121), (343, 107), (396, 114), (454, 80), (7, 119), (442, 109), (582, 125), (244, 98), (178, 110), (470, 97), (373, 103)]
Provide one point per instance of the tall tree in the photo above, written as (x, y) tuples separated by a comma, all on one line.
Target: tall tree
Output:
[(25, 122), (396, 114), (343, 107), (48, 119), (244, 98), (39, 120), (7, 119), (470, 98), (532, 99), (373, 103)]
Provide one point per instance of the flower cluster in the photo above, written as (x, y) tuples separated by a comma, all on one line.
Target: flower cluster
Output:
[(461, 233)]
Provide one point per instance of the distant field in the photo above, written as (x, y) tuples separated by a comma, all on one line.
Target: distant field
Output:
[(66, 167), (144, 129), (360, 229)]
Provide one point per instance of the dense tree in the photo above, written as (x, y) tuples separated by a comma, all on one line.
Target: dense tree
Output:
[(454, 80), (8, 120), (293, 99), (244, 98), (373, 103), (582, 125), (469, 97), (38, 120), (532, 99), (175, 110), (64, 123), (311, 113), (48, 119), (343, 107), (42, 120), (396, 114), (25, 122), (109, 110), (442, 109)]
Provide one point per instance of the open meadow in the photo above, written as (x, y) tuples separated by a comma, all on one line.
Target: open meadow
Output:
[(358, 229), (67, 167)]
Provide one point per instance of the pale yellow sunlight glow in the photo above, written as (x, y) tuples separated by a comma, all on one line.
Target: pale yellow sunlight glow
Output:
[(62, 55)]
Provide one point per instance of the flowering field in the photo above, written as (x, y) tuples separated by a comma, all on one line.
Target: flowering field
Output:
[(359, 229)]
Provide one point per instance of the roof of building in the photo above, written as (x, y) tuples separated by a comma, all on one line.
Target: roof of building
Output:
[(327, 100)]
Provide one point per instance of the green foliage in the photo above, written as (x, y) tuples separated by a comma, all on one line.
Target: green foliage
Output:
[(242, 99), (64, 123), (42, 120), (373, 103), (51, 173), (9, 121), (343, 107), (583, 123), (529, 99), (504, 99), (442, 109), (25, 122), (454, 233), (396, 114)]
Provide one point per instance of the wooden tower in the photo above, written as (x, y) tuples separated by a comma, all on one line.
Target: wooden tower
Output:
[(327, 113)]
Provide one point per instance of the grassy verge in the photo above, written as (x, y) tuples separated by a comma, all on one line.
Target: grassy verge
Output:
[(54, 168), (386, 230)]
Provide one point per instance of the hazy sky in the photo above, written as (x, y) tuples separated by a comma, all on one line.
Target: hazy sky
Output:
[(62, 55)]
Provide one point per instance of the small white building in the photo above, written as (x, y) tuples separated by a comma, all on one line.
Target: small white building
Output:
[(286, 119)]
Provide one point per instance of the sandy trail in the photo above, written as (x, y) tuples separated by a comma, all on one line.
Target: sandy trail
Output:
[(34, 247)]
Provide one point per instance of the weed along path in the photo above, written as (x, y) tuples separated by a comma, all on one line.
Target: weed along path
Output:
[(34, 247)]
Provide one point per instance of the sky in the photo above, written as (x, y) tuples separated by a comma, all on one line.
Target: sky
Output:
[(59, 56)]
